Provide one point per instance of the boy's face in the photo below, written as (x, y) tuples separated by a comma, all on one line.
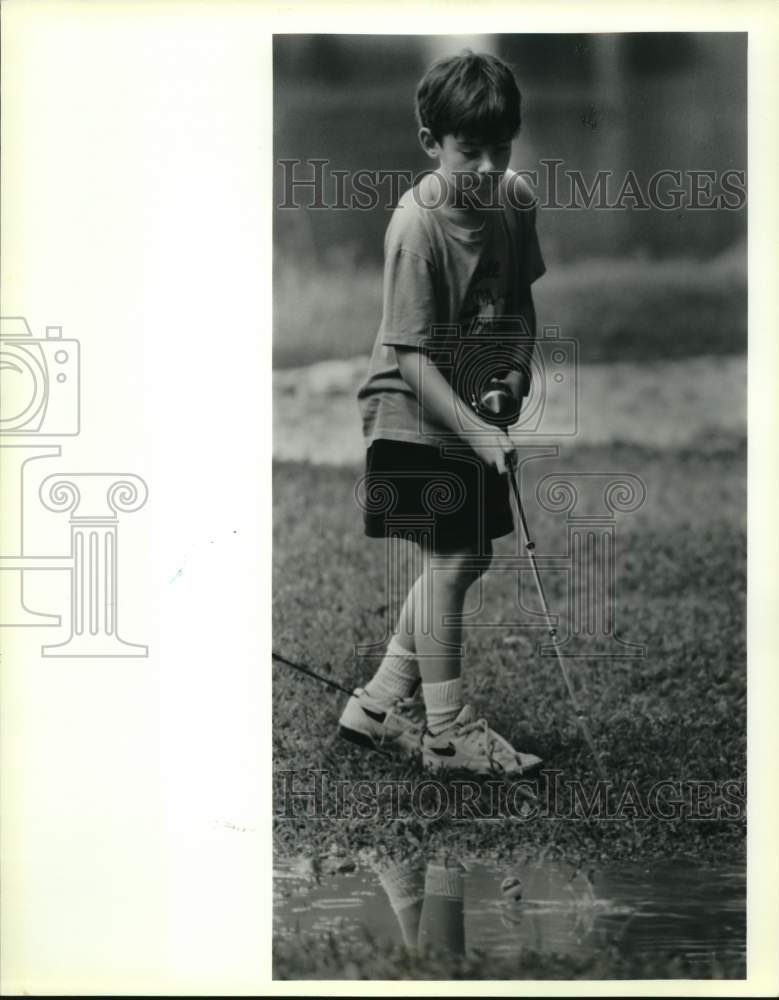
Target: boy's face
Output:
[(471, 164)]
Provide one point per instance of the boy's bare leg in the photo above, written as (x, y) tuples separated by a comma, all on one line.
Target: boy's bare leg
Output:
[(438, 633), (405, 629), (427, 641), (438, 606), (436, 612), (398, 673)]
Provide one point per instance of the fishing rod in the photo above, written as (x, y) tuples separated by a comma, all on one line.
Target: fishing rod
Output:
[(311, 673), (498, 406), (551, 629)]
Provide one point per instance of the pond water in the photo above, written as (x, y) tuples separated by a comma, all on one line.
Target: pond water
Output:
[(645, 911)]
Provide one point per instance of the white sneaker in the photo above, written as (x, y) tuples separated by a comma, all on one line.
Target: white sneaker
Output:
[(470, 745), (370, 723)]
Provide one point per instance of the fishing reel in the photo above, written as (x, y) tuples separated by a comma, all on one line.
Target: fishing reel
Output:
[(497, 404)]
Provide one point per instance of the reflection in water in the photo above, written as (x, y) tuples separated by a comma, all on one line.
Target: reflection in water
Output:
[(549, 907)]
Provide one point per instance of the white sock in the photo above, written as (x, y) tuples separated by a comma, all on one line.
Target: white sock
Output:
[(396, 677), (443, 702)]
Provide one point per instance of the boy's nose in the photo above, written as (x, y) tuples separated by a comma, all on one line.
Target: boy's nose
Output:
[(486, 166)]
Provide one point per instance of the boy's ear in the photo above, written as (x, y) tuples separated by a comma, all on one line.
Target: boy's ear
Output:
[(428, 142)]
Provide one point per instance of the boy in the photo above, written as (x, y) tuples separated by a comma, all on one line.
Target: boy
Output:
[(460, 254)]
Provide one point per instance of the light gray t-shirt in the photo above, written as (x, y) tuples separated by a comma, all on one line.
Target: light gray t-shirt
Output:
[(444, 286)]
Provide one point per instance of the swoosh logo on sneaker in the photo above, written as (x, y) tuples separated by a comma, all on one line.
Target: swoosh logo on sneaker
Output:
[(376, 716), (447, 751)]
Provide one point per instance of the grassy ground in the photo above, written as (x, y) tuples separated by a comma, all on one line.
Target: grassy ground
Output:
[(679, 714), (623, 309)]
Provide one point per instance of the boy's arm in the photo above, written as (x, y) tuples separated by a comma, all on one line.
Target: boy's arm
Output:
[(490, 443)]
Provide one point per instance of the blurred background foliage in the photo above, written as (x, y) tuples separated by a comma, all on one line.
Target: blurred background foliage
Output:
[(629, 284)]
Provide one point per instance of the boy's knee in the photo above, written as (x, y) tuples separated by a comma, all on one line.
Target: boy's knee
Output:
[(459, 569)]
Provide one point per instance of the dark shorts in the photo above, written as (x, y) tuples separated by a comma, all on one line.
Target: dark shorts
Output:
[(415, 491)]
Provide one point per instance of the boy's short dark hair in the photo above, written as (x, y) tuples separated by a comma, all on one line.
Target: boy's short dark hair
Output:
[(472, 94)]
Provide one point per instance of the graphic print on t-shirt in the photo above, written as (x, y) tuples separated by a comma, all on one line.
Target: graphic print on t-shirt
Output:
[(480, 355), (487, 293)]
